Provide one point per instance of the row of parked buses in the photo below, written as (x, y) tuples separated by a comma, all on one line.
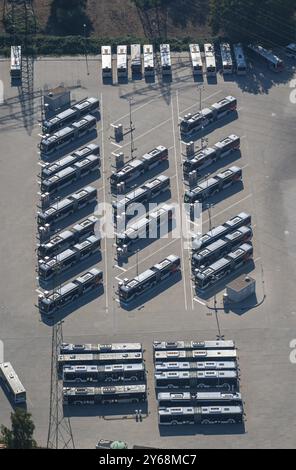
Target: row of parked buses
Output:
[(95, 374), (183, 368)]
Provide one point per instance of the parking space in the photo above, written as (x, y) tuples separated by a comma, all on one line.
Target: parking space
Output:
[(262, 332)]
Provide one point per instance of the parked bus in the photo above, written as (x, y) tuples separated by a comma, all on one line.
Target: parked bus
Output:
[(122, 62), (142, 195), (196, 59), (77, 111), (147, 227), (179, 366), (191, 124), (210, 155), (211, 275), (221, 247), (274, 62), (197, 379), (67, 348), (64, 136), (227, 63), (70, 175), (195, 356), (135, 168), (136, 59), (240, 220), (50, 302), (165, 58), (210, 60), (12, 383), (48, 268), (240, 60), (104, 395), (104, 374), (182, 399), (192, 345), (50, 169), (62, 209), (99, 359), (214, 185), (149, 69), (68, 238), (106, 53), (129, 290), (205, 415), (16, 62)]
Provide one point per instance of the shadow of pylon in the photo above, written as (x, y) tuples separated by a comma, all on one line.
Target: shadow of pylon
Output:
[(26, 92)]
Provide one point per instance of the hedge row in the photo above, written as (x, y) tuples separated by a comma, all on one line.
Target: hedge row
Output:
[(74, 45)]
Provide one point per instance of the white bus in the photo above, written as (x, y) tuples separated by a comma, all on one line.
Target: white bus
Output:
[(148, 60), (165, 57), (106, 61), (226, 56), (274, 63), (136, 59), (210, 60), (12, 383), (240, 60), (196, 59), (121, 61), (291, 50), (16, 62)]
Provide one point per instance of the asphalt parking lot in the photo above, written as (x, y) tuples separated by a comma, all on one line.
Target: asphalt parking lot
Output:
[(266, 124)]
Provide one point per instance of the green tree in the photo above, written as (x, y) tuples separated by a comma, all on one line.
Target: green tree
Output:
[(20, 436), (250, 20)]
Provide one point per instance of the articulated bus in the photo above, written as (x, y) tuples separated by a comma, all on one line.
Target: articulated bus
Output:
[(16, 62), (99, 359), (191, 124), (149, 68), (50, 169), (67, 348), (12, 383), (135, 168), (195, 356), (210, 60), (68, 238), (240, 60), (106, 53), (211, 155), (214, 185), (174, 399), (50, 267), (64, 136), (232, 225), (165, 58), (77, 111), (192, 345), (70, 175), (211, 275), (197, 379), (179, 366), (227, 63), (129, 290), (104, 374), (204, 415), (67, 206), (291, 50), (274, 62), (142, 195), (136, 59), (196, 59), (50, 302), (104, 395), (122, 71), (147, 227), (221, 247)]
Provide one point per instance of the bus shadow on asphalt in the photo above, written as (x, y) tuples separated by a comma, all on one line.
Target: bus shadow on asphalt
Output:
[(74, 145), (206, 430), (224, 195), (116, 411), (220, 163), (140, 302)]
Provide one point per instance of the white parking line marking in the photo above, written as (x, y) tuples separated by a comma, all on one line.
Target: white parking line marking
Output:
[(196, 104), (117, 145), (200, 302), (148, 132), (120, 267)]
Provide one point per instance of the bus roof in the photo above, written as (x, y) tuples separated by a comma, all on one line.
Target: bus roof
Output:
[(11, 377)]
